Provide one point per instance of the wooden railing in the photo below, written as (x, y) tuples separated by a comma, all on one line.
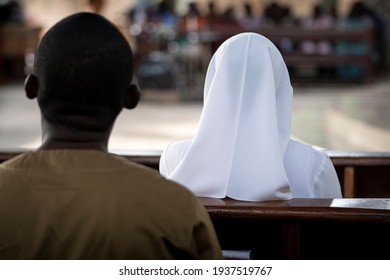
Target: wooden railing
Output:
[(361, 174)]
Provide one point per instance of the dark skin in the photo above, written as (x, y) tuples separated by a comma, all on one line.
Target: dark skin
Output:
[(59, 138)]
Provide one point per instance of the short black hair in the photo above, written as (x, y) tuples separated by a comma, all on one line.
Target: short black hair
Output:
[(84, 68)]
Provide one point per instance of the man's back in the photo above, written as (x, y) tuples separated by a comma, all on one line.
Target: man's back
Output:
[(79, 204)]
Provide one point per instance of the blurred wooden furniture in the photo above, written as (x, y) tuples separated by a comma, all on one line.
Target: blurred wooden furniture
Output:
[(298, 35), (334, 36), (16, 41)]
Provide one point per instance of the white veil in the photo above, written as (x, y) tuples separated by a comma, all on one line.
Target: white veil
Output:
[(244, 128)]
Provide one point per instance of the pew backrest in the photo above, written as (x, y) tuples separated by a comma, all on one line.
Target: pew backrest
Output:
[(303, 228)]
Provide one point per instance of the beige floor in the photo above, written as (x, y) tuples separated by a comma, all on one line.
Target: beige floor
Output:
[(342, 117)]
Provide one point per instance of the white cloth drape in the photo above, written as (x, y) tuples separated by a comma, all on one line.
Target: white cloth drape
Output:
[(240, 146)]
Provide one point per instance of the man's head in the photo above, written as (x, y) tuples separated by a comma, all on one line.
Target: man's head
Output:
[(83, 72)]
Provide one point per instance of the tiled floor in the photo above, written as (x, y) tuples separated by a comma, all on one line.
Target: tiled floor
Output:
[(347, 117)]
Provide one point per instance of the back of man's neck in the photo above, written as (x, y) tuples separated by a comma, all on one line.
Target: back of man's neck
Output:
[(58, 144), (60, 138)]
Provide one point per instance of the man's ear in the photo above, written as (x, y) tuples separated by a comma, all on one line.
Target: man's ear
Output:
[(132, 97), (31, 86)]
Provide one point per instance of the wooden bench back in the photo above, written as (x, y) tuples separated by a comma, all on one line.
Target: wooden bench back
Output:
[(304, 228)]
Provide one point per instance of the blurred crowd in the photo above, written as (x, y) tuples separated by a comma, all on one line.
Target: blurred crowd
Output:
[(157, 22), (156, 30), (156, 26), (160, 17)]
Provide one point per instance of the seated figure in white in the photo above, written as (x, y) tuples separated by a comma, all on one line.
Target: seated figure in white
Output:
[(242, 148)]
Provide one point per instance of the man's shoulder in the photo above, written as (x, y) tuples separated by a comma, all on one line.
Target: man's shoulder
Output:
[(149, 179), (16, 162), (122, 175)]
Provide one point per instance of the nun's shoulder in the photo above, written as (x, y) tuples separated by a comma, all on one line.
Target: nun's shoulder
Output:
[(300, 151), (177, 149), (172, 155)]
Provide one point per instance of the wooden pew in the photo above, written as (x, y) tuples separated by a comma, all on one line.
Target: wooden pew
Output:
[(361, 174), (304, 228)]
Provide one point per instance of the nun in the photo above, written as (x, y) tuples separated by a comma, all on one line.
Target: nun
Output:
[(242, 148)]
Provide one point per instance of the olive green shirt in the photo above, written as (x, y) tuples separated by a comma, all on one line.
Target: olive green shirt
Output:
[(85, 204)]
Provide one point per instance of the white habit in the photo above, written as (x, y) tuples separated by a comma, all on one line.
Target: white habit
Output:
[(242, 148)]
